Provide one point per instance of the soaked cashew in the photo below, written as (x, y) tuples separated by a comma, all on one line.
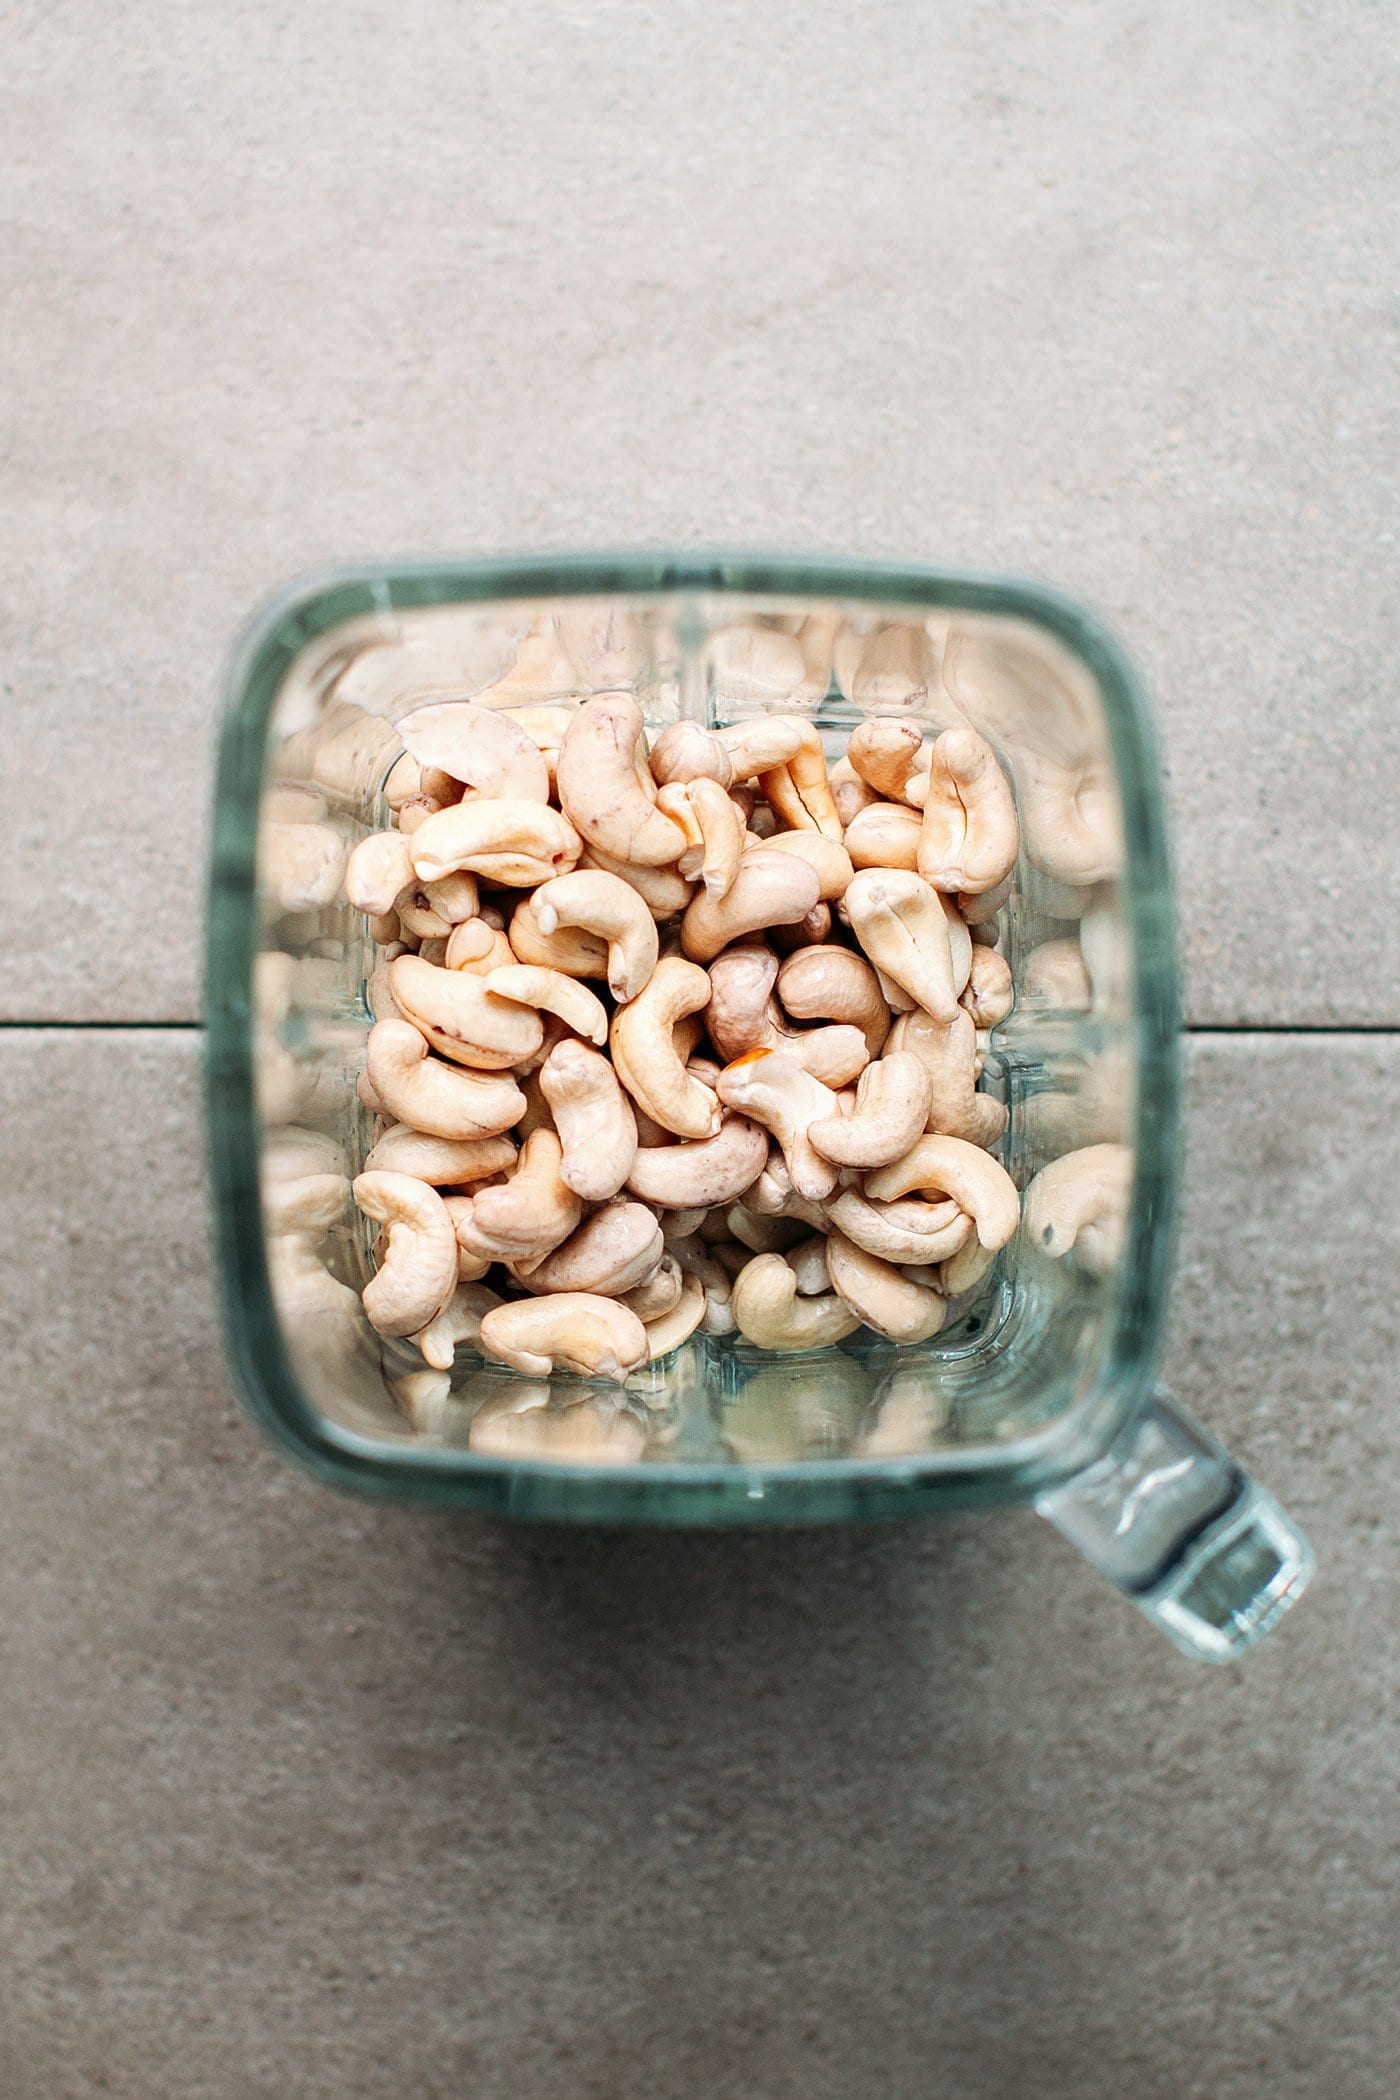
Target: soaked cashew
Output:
[(445, 1162), (714, 831), (530, 1214), (884, 835), (455, 1012), (948, 1052), (378, 870), (606, 788), (990, 995), (608, 907), (418, 1272), (667, 1330), (829, 860), (1079, 1205), (686, 752), (770, 1313), (661, 1292), (594, 1119), (901, 922), (770, 889), (568, 949), (575, 1331), (884, 752), (617, 1248), (645, 1055), (459, 1321), (705, 1172), (833, 984)]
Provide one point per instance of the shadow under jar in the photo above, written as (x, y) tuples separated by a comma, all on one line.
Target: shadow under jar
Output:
[(1041, 1387)]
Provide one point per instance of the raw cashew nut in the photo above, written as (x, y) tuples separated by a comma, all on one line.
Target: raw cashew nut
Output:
[(661, 1292), (893, 1097), (712, 1171), (645, 1054), (897, 671), (445, 1162), (664, 891), (378, 871), (776, 1092), (902, 924), (848, 791), (878, 1294), (914, 1233), (686, 752), (969, 836), (990, 994), (617, 1248), (418, 1272), (459, 1321), (749, 662), (479, 947), (948, 1052), (594, 1120), (884, 835), (714, 831), (963, 1272), (1055, 975), (1079, 1204), (786, 755), (568, 950), (443, 1100), (458, 1015), (477, 745), (979, 1184), (550, 991), (770, 1313), (514, 842), (832, 984), (573, 1331), (884, 752), (830, 860), (530, 1215), (667, 1330), (302, 865), (606, 788), (606, 906), (770, 889)]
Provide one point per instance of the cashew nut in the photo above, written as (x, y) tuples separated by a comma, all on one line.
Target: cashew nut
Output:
[(550, 991), (458, 1015), (831, 984), (711, 1171), (445, 1162), (594, 1119), (645, 1054), (443, 1100), (831, 861), (1079, 1203), (770, 1313), (686, 752), (878, 1294), (770, 889), (714, 831), (667, 1330), (902, 924), (893, 1097), (618, 1247), (418, 1272), (530, 1215), (948, 1052), (478, 745), (605, 786), (979, 1184), (514, 842), (661, 1292), (458, 1321), (914, 1233), (608, 907), (848, 791), (884, 835), (969, 836), (884, 752), (479, 947), (574, 1331), (990, 994), (568, 950), (378, 870), (775, 1091), (664, 891)]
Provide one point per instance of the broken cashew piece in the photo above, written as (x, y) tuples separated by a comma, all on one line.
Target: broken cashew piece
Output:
[(594, 1118), (443, 1100), (418, 1272), (769, 1311), (1079, 1204), (879, 1295), (607, 906), (979, 1184), (646, 1055), (606, 788), (775, 1091), (893, 1097), (574, 1331), (969, 836)]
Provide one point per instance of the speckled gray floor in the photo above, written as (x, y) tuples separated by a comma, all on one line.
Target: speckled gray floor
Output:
[(301, 1797)]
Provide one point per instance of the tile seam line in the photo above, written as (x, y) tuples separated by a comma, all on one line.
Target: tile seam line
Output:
[(1302, 1029)]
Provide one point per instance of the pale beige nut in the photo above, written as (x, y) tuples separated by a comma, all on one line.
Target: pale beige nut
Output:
[(472, 1263), (480, 746), (661, 1293), (849, 792), (459, 1016), (594, 1119), (574, 1331), (304, 1203), (412, 815), (605, 784), (377, 991), (990, 993), (1054, 976), (607, 906), (459, 1321), (550, 991), (528, 1216), (742, 1015), (569, 950), (882, 1298), (445, 1100), (664, 891), (969, 837), (916, 1233), (445, 1162), (418, 917), (770, 1313), (829, 860), (714, 831), (706, 1172), (902, 924), (302, 866), (897, 671), (770, 889), (402, 781), (775, 1091), (666, 1331), (1073, 819), (893, 1097), (980, 910), (477, 946), (441, 786), (699, 1261), (750, 664), (828, 983), (884, 835), (687, 751), (807, 1260), (785, 754), (546, 727), (646, 1055), (773, 1196), (979, 1184), (948, 1052), (966, 1271), (611, 1252), (419, 1270), (454, 899), (516, 843), (605, 642), (1079, 1204), (523, 1425), (884, 751), (378, 871)]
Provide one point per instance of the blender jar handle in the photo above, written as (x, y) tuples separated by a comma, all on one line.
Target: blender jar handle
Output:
[(1200, 1548)]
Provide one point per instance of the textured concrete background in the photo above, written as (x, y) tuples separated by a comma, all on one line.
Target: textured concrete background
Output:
[(301, 1797)]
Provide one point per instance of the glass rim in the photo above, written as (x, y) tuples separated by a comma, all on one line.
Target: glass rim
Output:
[(793, 1491)]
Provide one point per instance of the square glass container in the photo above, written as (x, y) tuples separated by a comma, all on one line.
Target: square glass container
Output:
[(1041, 1387)]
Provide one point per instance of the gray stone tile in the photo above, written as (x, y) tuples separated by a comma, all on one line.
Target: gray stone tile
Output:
[(301, 1795), (1099, 293)]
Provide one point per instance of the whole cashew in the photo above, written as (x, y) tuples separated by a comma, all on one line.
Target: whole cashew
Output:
[(478, 745), (445, 1162), (458, 1015), (897, 672), (884, 752), (687, 752), (714, 831), (570, 951), (773, 1196), (459, 1321), (916, 1233), (948, 1052), (378, 871), (786, 755), (1055, 975), (517, 843), (748, 663), (573, 1331), (606, 788), (769, 1312), (876, 1293), (443, 1100), (711, 1171), (893, 1097), (550, 991), (831, 984), (664, 891), (528, 1217), (645, 1055), (990, 994), (418, 1272), (901, 923), (969, 837), (884, 835), (608, 907), (1079, 1204), (770, 889), (594, 1118), (610, 1253), (776, 1092), (661, 1292), (301, 865), (979, 1184), (830, 861)]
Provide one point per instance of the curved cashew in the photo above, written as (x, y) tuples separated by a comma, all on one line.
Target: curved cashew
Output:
[(458, 1321), (876, 1293), (893, 1097), (419, 1271), (990, 994), (776, 1092), (568, 950), (741, 986), (831, 862), (479, 947), (884, 835), (1073, 819), (453, 900), (713, 1171), (1079, 1204), (609, 907), (756, 747), (948, 1052), (902, 924), (661, 1293), (645, 1054), (786, 755), (479, 746), (414, 814), (461, 1018), (472, 1262), (443, 1100), (378, 871), (573, 1331), (594, 1119), (969, 837), (402, 781), (417, 915), (516, 843), (528, 1216), (884, 752), (664, 891), (1055, 975), (760, 1232), (979, 1184), (848, 791), (667, 1330), (964, 1272), (980, 910), (606, 789), (769, 1312), (770, 889), (617, 1248), (686, 752), (310, 1203), (773, 1196), (445, 1162), (698, 1261), (714, 831), (832, 984), (522, 1425), (916, 1233), (550, 991)]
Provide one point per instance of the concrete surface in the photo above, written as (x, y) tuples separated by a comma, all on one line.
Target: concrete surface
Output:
[(300, 1796), (303, 1797), (1103, 292)]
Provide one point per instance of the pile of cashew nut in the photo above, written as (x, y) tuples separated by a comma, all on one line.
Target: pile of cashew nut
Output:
[(686, 1036)]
